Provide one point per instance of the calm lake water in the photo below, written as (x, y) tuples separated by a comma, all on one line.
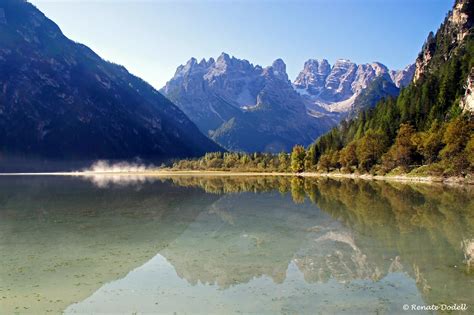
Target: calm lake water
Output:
[(204, 245)]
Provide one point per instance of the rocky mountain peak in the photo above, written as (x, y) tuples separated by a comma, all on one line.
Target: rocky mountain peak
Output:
[(380, 69), (223, 58), (279, 65), (313, 76), (278, 69), (335, 88), (339, 80), (206, 63)]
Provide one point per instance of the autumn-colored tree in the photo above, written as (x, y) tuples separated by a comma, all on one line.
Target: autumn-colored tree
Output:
[(348, 155), (469, 151), (430, 142), (456, 136), (402, 153), (370, 149), (458, 133), (298, 156), (297, 189), (324, 163), (283, 162), (335, 159)]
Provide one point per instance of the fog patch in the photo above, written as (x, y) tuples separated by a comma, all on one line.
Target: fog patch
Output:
[(104, 174)]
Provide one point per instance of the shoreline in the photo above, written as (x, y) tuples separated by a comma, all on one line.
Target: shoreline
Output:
[(166, 173)]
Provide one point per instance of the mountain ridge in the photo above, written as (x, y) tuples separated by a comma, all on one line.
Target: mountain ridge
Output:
[(60, 100), (227, 94), (242, 106)]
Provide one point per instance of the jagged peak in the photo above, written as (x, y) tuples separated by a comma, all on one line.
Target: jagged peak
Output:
[(223, 57), (191, 61), (279, 65), (343, 61), (319, 62), (277, 70)]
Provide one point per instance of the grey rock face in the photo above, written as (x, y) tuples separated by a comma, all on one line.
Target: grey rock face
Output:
[(244, 107), (335, 88), (313, 77), (402, 78), (250, 108)]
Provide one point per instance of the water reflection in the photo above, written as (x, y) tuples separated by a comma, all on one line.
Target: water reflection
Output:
[(230, 244)]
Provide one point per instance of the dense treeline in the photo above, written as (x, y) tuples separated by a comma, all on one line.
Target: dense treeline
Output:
[(244, 162), (444, 149)]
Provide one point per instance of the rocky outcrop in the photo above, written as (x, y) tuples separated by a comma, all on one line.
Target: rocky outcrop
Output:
[(381, 87), (424, 57), (467, 102)]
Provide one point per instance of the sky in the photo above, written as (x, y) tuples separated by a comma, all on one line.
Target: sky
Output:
[(151, 38)]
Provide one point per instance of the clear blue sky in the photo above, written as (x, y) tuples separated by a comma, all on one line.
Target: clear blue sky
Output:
[(151, 38)]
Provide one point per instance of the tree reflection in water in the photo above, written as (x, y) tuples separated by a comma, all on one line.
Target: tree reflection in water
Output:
[(66, 237)]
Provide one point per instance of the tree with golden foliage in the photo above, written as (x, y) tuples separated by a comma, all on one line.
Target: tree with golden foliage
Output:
[(298, 156), (370, 149)]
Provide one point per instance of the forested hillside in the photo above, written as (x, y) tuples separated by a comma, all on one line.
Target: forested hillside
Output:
[(429, 124)]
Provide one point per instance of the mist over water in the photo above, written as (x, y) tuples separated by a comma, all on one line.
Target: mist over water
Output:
[(103, 166), (104, 174)]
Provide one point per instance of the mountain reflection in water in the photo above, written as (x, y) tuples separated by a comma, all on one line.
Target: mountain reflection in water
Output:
[(232, 244)]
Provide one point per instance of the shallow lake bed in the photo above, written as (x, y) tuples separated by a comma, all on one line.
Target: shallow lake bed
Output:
[(260, 245)]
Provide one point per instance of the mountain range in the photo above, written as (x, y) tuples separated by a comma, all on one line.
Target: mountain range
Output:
[(336, 87), (246, 107), (60, 100)]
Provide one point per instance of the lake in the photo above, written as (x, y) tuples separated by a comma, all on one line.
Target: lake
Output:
[(232, 245)]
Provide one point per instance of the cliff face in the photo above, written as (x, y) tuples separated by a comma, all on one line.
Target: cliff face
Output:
[(452, 33), (467, 102)]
